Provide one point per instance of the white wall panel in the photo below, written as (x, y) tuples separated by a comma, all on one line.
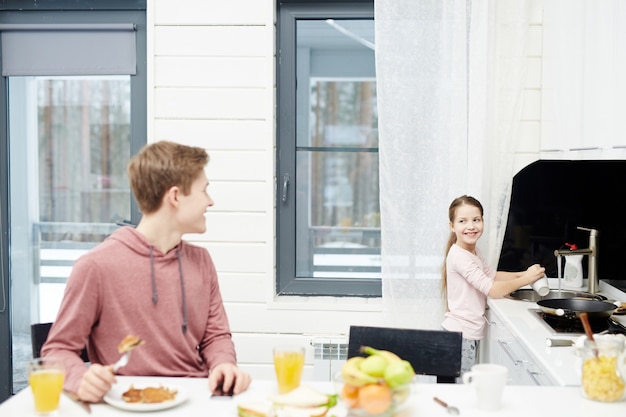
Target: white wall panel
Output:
[(218, 134), (535, 40), (243, 197), (533, 79), (211, 12), (297, 320), (207, 103), (252, 348), (530, 135), (531, 109), (238, 258), (223, 72), (242, 41), (245, 287), (237, 227), (254, 353), (241, 166)]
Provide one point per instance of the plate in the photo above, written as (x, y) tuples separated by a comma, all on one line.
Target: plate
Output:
[(114, 398)]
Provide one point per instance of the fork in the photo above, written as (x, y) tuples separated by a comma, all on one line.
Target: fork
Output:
[(121, 362)]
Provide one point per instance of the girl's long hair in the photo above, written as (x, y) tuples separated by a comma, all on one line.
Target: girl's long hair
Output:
[(456, 203)]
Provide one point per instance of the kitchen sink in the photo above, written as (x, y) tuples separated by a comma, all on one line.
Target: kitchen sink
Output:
[(527, 294)]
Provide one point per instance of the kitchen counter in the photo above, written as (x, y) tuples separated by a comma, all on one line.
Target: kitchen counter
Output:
[(560, 364)]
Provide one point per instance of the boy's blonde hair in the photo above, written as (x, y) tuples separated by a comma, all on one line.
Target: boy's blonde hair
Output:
[(161, 165)]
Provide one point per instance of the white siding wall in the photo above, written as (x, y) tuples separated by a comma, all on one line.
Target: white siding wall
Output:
[(211, 84), (531, 112)]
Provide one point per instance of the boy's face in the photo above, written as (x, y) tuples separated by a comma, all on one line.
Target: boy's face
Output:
[(467, 226), (193, 206)]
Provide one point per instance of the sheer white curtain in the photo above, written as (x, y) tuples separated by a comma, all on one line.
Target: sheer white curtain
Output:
[(449, 125)]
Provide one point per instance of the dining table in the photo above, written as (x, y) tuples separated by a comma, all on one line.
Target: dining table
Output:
[(194, 399)]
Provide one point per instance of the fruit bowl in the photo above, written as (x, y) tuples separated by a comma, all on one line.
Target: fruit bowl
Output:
[(375, 399)]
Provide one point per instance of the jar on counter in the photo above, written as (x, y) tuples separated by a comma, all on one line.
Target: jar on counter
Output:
[(604, 368)]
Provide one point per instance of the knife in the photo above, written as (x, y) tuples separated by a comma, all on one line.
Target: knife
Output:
[(78, 401)]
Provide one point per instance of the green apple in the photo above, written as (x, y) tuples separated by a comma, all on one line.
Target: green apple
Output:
[(398, 373), (374, 365)]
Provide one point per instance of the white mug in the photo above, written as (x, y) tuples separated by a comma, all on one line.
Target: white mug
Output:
[(541, 286), (489, 381)]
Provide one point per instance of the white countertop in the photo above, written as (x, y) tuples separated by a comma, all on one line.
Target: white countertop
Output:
[(561, 363), (551, 400)]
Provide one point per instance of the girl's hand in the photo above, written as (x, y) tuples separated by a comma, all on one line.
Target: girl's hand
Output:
[(535, 272)]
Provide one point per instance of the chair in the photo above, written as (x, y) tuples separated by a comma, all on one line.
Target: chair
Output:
[(430, 352), (39, 334)]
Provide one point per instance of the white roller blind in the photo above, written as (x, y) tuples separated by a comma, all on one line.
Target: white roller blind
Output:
[(68, 49)]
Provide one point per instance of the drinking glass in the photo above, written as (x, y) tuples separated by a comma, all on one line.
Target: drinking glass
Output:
[(45, 377), (288, 363)]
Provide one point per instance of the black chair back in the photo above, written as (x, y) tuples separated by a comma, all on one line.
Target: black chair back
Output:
[(430, 352), (39, 334)]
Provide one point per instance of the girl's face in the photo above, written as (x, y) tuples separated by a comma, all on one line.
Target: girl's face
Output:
[(467, 226)]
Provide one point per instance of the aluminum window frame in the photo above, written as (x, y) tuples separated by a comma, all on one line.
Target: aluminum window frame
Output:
[(287, 282)]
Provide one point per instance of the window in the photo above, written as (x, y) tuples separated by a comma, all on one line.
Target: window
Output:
[(73, 111), (328, 212)]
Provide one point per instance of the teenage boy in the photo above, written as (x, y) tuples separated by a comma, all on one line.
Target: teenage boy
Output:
[(147, 281)]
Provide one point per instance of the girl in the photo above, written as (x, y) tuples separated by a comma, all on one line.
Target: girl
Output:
[(468, 280)]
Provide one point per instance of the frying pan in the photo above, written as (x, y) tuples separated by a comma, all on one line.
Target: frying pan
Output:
[(572, 307)]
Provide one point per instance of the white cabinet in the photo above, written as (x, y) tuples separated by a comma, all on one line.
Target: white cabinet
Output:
[(499, 346)]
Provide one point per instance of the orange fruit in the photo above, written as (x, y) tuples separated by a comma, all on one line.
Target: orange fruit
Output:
[(350, 395), (375, 398)]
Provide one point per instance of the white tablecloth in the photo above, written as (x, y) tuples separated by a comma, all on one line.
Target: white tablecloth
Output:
[(522, 401)]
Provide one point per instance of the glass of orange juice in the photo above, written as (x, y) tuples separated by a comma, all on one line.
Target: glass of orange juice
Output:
[(288, 363), (45, 377)]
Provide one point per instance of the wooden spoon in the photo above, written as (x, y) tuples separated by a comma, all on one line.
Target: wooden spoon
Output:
[(585, 320)]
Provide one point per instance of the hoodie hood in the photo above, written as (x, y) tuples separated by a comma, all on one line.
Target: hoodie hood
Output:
[(136, 242)]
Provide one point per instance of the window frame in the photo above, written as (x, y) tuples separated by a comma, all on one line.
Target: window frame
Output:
[(287, 283), (63, 11)]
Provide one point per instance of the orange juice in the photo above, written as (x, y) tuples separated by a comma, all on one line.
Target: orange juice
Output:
[(288, 364), (46, 382), (46, 386)]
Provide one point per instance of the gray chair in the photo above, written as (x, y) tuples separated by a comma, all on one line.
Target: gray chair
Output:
[(430, 352), (39, 334)]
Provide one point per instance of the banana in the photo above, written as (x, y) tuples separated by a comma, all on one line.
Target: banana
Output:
[(352, 375), (397, 372), (390, 356)]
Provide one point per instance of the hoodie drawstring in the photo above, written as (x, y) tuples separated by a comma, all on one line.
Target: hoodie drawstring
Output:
[(182, 290), (155, 293)]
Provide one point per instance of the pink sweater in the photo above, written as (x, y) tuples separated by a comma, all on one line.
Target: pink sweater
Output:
[(469, 280), (109, 295)]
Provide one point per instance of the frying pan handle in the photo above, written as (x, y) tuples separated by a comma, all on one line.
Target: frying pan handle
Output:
[(563, 312)]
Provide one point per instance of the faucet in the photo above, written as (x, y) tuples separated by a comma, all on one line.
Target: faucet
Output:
[(592, 252)]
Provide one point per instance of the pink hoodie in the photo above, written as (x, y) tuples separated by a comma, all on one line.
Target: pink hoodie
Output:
[(125, 286)]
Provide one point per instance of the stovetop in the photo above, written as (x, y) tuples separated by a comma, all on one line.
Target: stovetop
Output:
[(563, 325)]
